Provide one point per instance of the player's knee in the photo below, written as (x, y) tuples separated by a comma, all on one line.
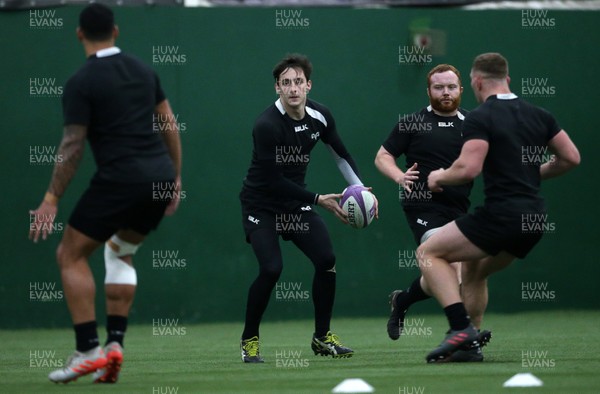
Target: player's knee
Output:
[(325, 262), (62, 255), (271, 273), (468, 272), (117, 270), (122, 294), (423, 257)]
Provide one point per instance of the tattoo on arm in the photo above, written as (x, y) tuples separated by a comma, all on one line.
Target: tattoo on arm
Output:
[(71, 151)]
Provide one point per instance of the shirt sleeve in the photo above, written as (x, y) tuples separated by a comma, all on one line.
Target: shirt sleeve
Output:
[(265, 145), (474, 128), (551, 125), (397, 141), (76, 103), (342, 157), (344, 162), (160, 94)]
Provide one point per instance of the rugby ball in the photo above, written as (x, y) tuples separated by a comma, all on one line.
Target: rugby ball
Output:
[(359, 203)]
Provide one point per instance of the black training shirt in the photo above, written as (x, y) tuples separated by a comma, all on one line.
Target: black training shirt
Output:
[(518, 134), (281, 154), (434, 142), (114, 95)]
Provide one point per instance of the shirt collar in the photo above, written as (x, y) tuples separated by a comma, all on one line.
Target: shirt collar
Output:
[(279, 106), (506, 96), (106, 52)]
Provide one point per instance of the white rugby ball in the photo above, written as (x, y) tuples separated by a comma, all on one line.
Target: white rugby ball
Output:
[(359, 203)]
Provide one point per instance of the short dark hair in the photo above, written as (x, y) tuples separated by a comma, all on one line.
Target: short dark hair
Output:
[(441, 68), (294, 60), (492, 65), (97, 21)]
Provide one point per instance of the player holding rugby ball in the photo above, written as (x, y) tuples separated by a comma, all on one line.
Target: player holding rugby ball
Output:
[(275, 202)]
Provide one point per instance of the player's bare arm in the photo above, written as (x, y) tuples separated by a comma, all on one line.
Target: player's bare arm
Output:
[(566, 156), (464, 169), (386, 164), (173, 142), (71, 151)]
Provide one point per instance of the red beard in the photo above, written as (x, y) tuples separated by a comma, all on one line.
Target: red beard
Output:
[(440, 106)]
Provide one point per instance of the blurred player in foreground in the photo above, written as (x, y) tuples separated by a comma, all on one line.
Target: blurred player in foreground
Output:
[(496, 134), (111, 101), (430, 139), (276, 203)]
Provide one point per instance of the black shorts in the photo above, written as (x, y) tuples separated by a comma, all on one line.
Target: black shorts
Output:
[(495, 233), (286, 223), (104, 208), (422, 220)]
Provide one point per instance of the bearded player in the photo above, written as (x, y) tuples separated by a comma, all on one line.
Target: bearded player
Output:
[(429, 139)]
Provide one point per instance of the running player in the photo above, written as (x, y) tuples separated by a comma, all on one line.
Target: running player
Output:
[(430, 139), (274, 191), (112, 101), (488, 240)]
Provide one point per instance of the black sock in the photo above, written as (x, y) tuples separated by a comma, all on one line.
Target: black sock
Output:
[(457, 316), (116, 327), (413, 294), (86, 336)]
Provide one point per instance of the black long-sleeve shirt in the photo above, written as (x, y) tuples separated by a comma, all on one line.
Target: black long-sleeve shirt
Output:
[(281, 154)]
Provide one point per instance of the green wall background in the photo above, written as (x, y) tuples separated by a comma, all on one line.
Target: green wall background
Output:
[(218, 91)]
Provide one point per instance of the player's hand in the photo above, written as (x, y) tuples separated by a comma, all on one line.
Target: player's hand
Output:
[(409, 178), (41, 221), (376, 203), (174, 203), (433, 180), (331, 203)]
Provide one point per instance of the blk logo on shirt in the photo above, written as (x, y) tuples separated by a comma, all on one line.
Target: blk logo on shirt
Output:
[(298, 129)]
